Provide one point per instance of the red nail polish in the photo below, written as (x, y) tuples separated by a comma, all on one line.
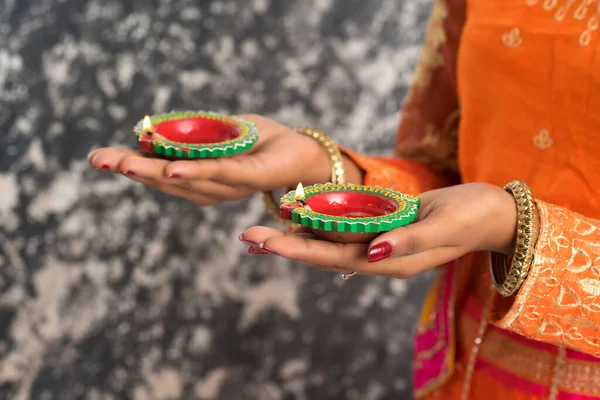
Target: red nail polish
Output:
[(174, 176), (380, 251), (105, 167), (256, 250), (241, 238)]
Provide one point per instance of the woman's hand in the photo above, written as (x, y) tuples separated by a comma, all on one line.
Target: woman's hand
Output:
[(281, 157), (452, 222)]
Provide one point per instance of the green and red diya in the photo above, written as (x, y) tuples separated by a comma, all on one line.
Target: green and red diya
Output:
[(348, 213), (195, 134)]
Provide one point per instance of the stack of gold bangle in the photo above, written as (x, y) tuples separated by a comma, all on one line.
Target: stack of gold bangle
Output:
[(508, 275), (337, 167)]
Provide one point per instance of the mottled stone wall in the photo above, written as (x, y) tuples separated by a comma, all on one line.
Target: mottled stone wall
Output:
[(112, 291)]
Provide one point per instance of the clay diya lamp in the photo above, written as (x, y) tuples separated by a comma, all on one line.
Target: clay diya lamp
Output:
[(348, 213), (194, 134)]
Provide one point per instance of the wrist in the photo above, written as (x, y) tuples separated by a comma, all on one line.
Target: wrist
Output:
[(322, 163), (354, 174), (320, 167), (326, 163), (511, 216)]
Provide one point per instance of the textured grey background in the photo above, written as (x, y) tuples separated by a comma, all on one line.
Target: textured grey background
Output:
[(111, 291)]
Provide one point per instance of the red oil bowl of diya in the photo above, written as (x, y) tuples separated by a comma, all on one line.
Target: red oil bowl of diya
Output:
[(195, 134), (348, 213)]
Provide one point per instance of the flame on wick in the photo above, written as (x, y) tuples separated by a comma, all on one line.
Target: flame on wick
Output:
[(147, 125), (299, 192)]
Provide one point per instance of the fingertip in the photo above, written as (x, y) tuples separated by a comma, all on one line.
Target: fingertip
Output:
[(100, 157), (253, 230), (173, 169), (286, 245), (255, 250), (184, 169), (149, 168), (91, 156), (274, 245), (384, 237), (259, 234), (111, 156), (103, 160), (255, 234), (242, 238), (266, 247), (99, 163), (379, 251), (128, 165), (399, 242)]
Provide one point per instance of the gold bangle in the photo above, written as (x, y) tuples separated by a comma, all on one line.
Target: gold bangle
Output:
[(338, 175), (337, 167), (509, 276)]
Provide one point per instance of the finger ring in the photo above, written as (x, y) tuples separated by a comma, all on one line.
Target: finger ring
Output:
[(346, 276)]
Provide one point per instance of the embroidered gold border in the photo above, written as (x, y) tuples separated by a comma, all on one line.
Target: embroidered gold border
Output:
[(529, 363), (542, 323)]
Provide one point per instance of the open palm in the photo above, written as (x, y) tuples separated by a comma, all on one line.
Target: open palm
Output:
[(279, 158)]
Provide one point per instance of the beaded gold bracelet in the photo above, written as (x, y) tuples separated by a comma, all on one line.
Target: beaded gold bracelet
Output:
[(508, 274), (335, 157)]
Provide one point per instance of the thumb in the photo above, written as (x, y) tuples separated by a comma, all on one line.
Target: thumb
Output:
[(418, 237)]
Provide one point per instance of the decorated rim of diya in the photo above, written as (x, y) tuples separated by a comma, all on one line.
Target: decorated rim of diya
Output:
[(403, 209), (195, 134)]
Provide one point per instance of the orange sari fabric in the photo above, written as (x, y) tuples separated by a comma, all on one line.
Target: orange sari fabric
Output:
[(509, 89), (529, 80)]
